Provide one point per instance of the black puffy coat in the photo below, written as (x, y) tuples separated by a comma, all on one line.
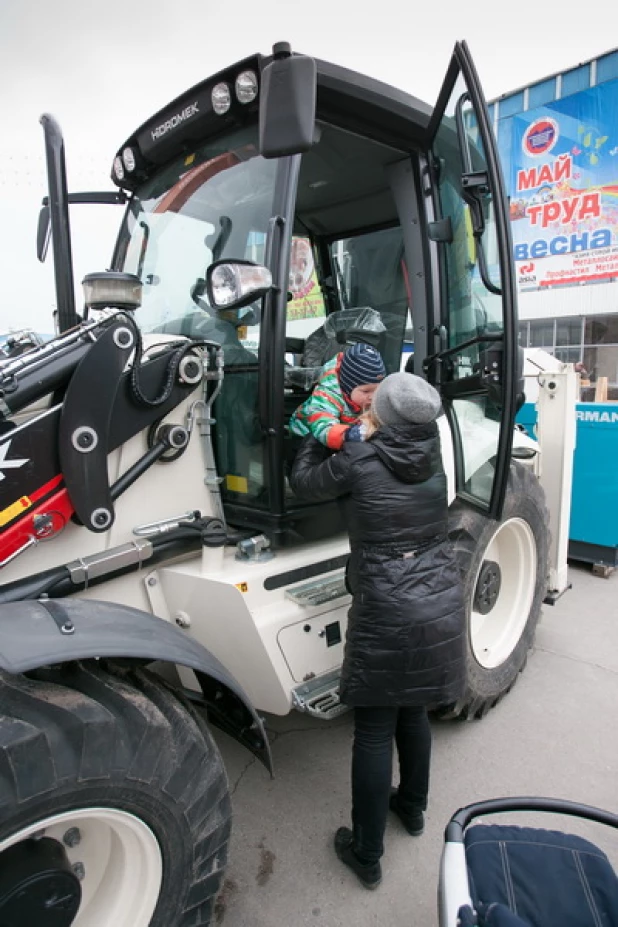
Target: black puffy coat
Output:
[(406, 625)]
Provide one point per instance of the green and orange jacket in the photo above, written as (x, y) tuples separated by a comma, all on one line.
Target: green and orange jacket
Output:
[(327, 413)]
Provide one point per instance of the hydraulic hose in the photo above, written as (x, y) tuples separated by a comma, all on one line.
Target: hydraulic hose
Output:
[(57, 582)]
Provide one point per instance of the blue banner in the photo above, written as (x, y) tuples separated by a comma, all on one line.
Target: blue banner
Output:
[(561, 169)]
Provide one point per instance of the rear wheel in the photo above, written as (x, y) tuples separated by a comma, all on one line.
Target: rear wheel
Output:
[(115, 804), (504, 571)]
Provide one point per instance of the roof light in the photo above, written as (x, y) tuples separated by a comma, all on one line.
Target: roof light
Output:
[(221, 98), (118, 169), (128, 157), (246, 87)]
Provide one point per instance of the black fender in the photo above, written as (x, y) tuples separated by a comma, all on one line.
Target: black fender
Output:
[(51, 631)]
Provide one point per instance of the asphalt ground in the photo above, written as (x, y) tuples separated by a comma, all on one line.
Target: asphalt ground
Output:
[(555, 734)]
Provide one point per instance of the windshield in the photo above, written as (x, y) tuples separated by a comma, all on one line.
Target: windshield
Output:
[(211, 204)]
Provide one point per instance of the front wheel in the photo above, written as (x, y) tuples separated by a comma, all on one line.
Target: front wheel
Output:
[(115, 805), (504, 570)]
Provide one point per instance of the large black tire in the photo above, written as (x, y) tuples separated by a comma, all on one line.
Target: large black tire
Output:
[(524, 522), (102, 736)]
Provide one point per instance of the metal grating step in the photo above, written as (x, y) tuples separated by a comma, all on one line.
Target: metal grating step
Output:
[(320, 697), (320, 591)]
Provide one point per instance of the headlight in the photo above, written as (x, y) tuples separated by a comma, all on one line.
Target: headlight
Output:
[(225, 285), (128, 157), (246, 87), (236, 283), (221, 98), (118, 168)]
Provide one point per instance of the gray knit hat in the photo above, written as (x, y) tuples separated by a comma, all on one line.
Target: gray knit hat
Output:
[(404, 398)]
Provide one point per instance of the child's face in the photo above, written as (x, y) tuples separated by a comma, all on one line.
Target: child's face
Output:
[(362, 395)]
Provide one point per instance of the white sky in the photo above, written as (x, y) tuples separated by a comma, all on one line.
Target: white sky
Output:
[(102, 67)]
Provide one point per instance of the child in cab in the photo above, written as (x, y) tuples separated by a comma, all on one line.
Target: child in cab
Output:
[(344, 391)]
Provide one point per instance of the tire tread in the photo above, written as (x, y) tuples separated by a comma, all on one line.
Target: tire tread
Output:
[(96, 724), (466, 531)]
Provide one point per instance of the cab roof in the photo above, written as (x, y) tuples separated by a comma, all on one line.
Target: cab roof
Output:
[(345, 98)]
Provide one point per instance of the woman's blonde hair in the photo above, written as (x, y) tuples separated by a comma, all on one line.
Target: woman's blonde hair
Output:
[(370, 423)]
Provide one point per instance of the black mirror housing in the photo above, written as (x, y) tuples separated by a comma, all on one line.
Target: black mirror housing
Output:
[(287, 104), (43, 234)]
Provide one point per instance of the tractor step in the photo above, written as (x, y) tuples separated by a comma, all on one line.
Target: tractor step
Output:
[(320, 591), (320, 697)]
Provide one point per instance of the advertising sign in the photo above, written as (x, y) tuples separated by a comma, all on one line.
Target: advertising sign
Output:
[(562, 176), (307, 301)]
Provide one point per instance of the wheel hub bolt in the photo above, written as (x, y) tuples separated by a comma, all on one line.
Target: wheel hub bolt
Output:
[(79, 870), (72, 837)]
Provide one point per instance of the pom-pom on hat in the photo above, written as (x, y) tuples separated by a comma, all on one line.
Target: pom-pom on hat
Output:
[(405, 399), (361, 364)]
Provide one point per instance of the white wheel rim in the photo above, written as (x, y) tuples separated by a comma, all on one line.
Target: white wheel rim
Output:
[(121, 859), (494, 636)]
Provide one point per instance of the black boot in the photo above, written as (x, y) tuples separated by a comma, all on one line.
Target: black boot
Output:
[(369, 874), (413, 821)]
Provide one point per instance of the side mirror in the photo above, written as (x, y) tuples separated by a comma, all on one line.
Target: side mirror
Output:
[(287, 103), (43, 234), (233, 284)]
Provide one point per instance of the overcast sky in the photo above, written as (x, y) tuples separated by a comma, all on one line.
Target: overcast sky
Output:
[(102, 67)]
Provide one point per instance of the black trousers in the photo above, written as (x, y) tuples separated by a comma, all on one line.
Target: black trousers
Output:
[(375, 729)]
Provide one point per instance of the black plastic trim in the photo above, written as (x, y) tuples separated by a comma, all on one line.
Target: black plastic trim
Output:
[(272, 339), (88, 629), (298, 525), (346, 98), (509, 292), (462, 63), (593, 553), (307, 572)]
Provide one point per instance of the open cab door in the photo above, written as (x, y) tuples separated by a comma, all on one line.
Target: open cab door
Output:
[(475, 364)]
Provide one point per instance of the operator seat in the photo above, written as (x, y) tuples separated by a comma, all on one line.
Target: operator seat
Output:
[(340, 330)]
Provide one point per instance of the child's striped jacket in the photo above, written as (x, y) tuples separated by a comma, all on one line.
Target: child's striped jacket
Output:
[(326, 414)]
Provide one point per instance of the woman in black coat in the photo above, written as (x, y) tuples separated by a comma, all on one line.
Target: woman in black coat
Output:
[(404, 649)]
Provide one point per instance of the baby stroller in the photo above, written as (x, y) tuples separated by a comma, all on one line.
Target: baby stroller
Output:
[(508, 876)]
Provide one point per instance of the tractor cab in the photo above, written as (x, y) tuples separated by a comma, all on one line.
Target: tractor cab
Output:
[(285, 244)]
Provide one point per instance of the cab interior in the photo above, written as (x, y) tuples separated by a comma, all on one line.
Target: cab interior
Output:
[(348, 282)]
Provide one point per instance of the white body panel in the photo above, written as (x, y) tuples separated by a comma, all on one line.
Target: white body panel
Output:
[(268, 642), (554, 388)]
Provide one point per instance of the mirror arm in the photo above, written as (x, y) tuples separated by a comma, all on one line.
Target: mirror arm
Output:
[(461, 133), (474, 186), (434, 366), (43, 231), (484, 272), (463, 346)]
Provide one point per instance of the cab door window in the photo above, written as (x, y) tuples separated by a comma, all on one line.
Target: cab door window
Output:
[(475, 359)]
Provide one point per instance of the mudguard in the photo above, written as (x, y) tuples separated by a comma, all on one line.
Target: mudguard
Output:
[(47, 632)]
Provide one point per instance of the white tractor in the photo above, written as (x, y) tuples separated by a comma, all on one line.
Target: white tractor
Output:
[(157, 570)]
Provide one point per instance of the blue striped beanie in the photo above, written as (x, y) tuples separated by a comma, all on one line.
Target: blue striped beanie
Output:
[(361, 364)]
